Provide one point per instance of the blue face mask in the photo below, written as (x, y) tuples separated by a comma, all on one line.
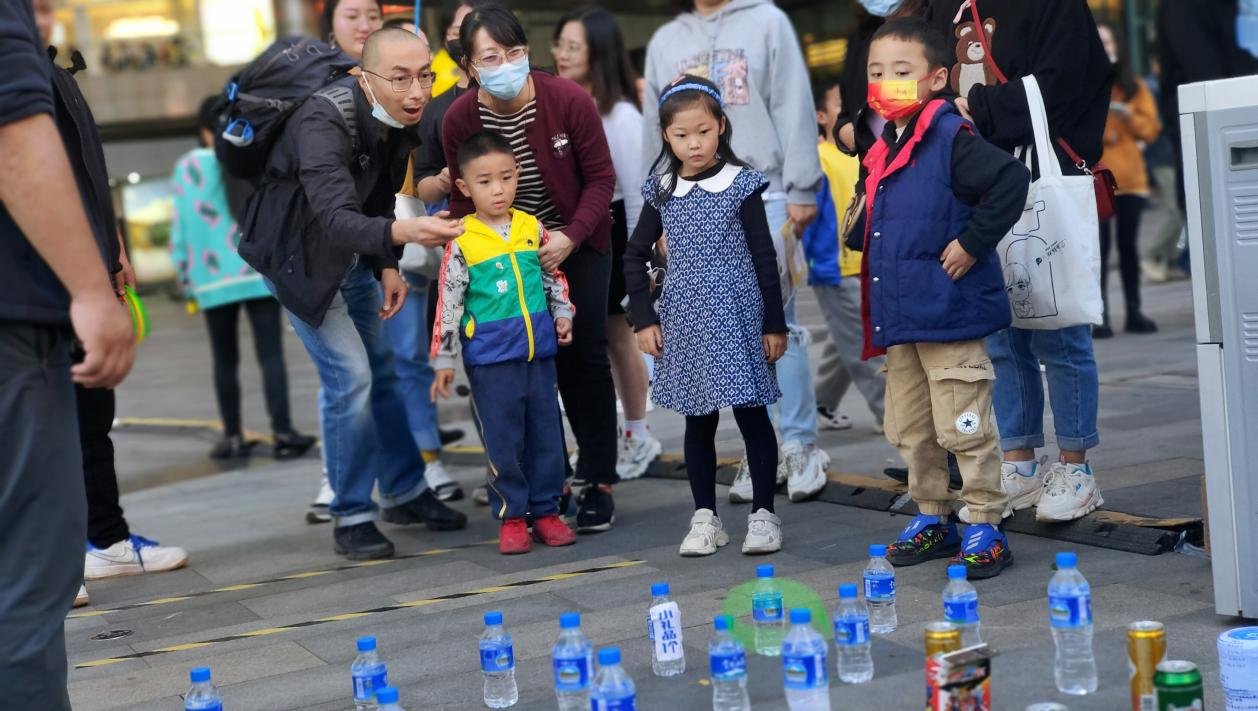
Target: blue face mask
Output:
[(882, 8), (379, 113), (505, 82)]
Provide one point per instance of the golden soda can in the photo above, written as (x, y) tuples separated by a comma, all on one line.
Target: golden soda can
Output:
[(944, 637), (1146, 648)]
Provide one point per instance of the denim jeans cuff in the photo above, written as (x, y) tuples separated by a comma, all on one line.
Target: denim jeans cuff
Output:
[(1078, 444), (388, 502), (1008, 444), (355, 519)]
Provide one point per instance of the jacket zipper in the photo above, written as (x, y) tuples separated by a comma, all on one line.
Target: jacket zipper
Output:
[(524, 308)]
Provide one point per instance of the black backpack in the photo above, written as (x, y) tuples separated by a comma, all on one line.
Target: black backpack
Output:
[(257, 101)]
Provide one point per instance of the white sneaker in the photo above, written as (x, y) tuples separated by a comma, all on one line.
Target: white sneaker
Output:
[(133, 556), (1023, 491), (707, 533), (1070, 493), (740, 488), (480, 496), (443, 487), (805, 470), (318, 511), (830, 420), (636, 455), (764, 533), (82, 600)]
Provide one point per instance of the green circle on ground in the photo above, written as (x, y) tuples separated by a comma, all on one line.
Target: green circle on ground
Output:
[(794, 595)]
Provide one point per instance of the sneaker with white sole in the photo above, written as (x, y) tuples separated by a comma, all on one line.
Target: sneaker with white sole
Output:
[(764, 533), (82, 600), (805, 470), (636, 455), (828, 419), (132, 556), (740, 488), (1023, 491), (319, 508), (445, 488), (707, 533), (1070, 493)]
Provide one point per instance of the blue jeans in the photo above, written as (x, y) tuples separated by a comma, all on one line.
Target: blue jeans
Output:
[(1018, 394), (366, 440), (408, 331), (797, 410)]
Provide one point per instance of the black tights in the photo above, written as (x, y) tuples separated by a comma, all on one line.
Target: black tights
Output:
[(268, 345), (1126, 224), (762, 456)]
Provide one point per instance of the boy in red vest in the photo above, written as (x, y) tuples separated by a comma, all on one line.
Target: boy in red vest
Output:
[(939, 200)]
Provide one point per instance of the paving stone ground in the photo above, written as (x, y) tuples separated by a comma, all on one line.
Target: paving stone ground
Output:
[(245, 525)]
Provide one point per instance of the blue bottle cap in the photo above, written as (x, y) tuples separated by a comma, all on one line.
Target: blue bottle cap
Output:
[(847, 591), (493, 618), (801, 616), (569, 620), (1067, 559), (387, 695), (659, 589), (956, 572), (366, 644), (721, 622), (608, 656), (878, 550), (200, 675), (764, 571)]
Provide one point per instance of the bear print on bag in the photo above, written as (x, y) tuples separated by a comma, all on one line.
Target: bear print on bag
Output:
[(972, 66)]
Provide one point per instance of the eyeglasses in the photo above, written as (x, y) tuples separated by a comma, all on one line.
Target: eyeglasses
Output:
[(491, 60), (566, 47), (401, 85)]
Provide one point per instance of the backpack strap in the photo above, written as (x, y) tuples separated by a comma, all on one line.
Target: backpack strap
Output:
[(342, 97)]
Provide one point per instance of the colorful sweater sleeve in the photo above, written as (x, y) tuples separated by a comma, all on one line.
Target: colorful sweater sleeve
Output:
[(452, 289), (556, 286)]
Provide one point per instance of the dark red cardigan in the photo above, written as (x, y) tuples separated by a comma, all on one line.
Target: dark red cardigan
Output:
[(571, 151)]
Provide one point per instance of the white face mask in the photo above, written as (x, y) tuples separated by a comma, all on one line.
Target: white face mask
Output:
[(378, 112)]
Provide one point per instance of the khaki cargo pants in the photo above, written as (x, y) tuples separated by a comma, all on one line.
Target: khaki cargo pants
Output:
[(939, 400)]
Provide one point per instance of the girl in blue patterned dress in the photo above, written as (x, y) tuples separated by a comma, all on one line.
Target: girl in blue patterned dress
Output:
[(720, 325)]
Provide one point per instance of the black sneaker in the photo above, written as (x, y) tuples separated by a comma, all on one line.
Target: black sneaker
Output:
[(291, 444), (449, 436), (1141, 324), (361, 542), (901, 474), (985, 553), (596, 511), (232, 447), (925, 538), (428, 510)]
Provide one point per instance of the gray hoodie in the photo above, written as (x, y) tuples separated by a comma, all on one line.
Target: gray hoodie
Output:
[(748, 49)]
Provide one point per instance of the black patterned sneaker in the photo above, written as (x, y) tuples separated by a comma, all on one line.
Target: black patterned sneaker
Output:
[(985, 553), (925, 538), (596, 511)]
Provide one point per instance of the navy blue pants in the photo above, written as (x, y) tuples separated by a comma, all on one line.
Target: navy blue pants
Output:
[(520, 422)]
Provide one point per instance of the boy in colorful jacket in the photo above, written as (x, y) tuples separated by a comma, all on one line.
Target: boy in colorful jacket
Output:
[(509, 317), (940, 198)]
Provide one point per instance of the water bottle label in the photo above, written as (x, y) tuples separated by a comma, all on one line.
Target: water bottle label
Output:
[(961, 611), (848, 632), (626, 704), (1069, 611), (365, 687), (497, 659), (572, 674), (729, 667), (879, 588), (804, 672), (650, 628), (766, 608), (666, 632)]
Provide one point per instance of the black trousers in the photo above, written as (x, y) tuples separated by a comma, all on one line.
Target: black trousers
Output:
[(106, 524), (42, 514), (1126, 224), (585, 373), (268, 345)]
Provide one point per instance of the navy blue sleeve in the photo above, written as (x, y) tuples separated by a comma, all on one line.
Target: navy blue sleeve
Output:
[(26, 82), (764, 258)]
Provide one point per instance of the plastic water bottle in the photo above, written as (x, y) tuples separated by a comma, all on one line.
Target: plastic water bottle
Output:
[(804, 665), (203, 696), (573, 660), (960, 602), (880, 591), (369, 673), (728, 663), (1070, 615), (497, 664), (851, 637), (668, 656), (613, 689), (767, 613), (386, 700)]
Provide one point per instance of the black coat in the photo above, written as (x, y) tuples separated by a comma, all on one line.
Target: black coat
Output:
[(1198, 43), (325, 197)]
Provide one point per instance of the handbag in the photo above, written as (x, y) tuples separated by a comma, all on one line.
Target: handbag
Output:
[(1103, 181), (1051, 258)]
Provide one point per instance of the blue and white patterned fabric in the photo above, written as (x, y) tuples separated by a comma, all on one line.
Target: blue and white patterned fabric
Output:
[(711, 311)]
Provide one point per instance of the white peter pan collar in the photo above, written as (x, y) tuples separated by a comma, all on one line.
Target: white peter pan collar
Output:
[(714, 184)]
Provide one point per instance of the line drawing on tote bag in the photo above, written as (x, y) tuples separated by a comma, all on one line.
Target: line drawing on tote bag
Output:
[(1027, 268)]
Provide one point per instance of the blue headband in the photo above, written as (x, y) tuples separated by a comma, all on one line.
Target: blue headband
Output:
[(693, 87)]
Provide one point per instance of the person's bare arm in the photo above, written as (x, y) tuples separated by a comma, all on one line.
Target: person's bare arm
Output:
[(34, 170)]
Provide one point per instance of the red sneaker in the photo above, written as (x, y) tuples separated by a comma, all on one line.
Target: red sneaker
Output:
[(552, 531), (513, 539)]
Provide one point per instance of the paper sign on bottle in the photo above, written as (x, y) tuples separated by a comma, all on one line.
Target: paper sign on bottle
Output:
[(666, 631)]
